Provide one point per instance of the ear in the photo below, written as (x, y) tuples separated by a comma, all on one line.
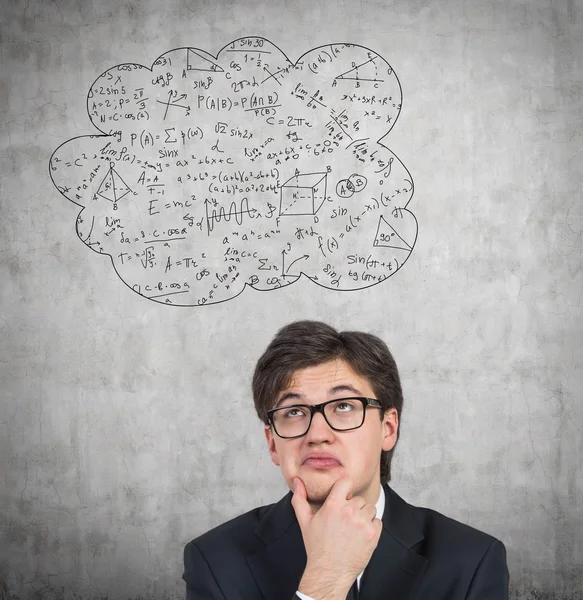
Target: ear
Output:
[(390, 426), (270, 437)]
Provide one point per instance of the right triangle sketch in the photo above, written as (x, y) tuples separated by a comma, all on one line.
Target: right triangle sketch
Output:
[(195, 61), (387, 237)]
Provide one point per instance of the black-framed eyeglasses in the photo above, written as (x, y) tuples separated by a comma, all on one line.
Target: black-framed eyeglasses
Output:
[(342, 414)]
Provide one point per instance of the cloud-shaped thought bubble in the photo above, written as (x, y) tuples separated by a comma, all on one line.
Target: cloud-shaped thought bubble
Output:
[(216, 173)]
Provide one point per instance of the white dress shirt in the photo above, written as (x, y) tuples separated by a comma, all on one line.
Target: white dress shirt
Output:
[(380, 506)]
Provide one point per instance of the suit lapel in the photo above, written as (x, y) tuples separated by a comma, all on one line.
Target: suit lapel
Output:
[(394, 569), (278, 566)]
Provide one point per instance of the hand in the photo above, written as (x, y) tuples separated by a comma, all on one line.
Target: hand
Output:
[(339, 539)]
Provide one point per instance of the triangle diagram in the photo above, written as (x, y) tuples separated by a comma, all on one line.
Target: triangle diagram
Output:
[(366, 71), (195, 61), (387, 237), (113, 187)]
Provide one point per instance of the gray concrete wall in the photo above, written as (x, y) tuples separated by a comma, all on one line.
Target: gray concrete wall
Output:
[(127, 427)]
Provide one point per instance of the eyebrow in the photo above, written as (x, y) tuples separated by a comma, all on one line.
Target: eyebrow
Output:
[(337, 389)]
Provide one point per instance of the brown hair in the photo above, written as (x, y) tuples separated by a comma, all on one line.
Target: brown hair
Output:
[(310, 343)]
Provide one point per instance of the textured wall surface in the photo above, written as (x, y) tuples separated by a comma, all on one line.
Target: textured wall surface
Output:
[(127, 427)]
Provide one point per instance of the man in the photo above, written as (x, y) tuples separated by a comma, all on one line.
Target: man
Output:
[(331, 403)]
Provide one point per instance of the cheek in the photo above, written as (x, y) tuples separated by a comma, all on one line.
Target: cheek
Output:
[(369, 448), (286, 457)]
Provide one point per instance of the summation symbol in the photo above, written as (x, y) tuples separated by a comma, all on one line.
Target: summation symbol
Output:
[(195, 61), (113, 187), (303, 194), (387, 237)]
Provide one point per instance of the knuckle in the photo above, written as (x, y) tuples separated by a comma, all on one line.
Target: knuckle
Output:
[(373, 531)]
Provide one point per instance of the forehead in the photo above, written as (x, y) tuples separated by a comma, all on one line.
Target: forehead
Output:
[(327, 377)]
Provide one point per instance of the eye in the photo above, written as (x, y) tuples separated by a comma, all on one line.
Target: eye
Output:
[(344, 406), (294, 411)]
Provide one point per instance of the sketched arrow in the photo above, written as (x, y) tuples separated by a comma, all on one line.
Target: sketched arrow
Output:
[(285, 271)]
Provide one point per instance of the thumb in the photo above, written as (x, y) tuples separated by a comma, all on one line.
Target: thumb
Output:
[(300, 503)]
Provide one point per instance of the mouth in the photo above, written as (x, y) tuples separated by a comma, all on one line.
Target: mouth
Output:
[(321, 462)]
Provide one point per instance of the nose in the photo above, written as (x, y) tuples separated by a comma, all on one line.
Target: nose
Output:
[(319, 429)]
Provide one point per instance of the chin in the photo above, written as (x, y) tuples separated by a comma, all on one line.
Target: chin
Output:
[(317, 499), (318, 487)]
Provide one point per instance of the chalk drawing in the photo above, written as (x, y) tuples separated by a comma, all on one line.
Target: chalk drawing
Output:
[(212, 174)]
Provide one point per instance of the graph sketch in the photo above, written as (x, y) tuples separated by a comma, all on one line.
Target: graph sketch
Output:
[(211, 174)]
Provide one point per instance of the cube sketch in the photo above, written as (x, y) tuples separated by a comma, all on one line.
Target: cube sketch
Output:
[(303, 194)]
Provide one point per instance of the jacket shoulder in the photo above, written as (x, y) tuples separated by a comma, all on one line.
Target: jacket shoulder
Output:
[(416, 524), (448, 537), (215, 562), (460, 557), (236, 534)]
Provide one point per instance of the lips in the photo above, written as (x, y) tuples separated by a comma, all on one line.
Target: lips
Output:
[(321, 460)]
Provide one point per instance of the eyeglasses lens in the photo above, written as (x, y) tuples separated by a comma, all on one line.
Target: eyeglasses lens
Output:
[(294, 420)]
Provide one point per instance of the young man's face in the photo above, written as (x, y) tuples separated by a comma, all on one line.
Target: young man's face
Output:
[(356, 452)]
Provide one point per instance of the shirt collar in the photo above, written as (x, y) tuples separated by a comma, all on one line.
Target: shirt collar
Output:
[(380, 505)]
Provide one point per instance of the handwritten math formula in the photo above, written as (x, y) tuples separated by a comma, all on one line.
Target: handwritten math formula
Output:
[(216, 173)]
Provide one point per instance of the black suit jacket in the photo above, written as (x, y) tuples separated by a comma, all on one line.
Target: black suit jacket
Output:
[(421, 555)]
